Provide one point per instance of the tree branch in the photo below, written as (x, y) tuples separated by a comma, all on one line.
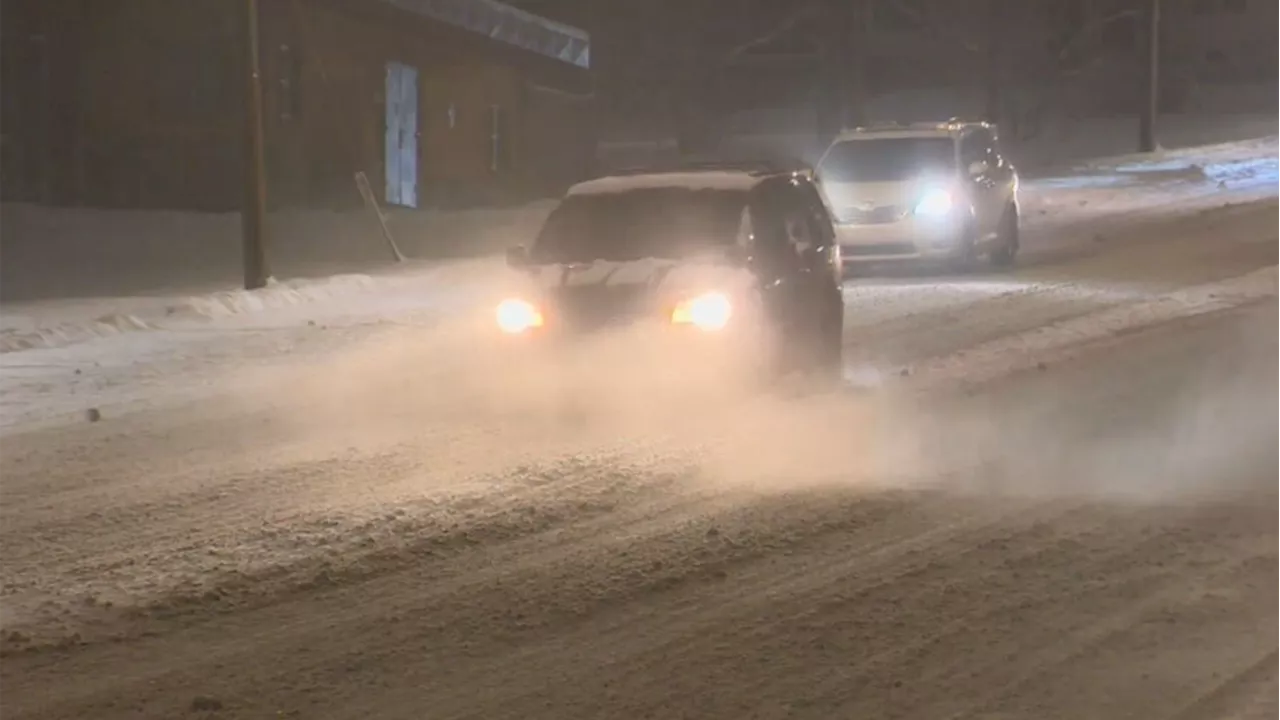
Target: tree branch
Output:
[(812, 9)]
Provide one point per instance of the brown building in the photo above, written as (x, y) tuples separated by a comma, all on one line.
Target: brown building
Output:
[(138, 103)]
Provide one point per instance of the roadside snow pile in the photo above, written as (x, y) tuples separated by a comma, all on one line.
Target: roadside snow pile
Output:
[(51, 325), (1126, 184), (14, 339), (1024, 351), (338, 300), (275, 295)]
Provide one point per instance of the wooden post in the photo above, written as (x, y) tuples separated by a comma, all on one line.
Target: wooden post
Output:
[(10, 163), (371, 204), (1151, 80), (254, 209), (993, 79), (45, 40)]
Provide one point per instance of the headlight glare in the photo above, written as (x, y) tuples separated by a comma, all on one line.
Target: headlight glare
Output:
[(516, 316), (710, 311), (935, 203)]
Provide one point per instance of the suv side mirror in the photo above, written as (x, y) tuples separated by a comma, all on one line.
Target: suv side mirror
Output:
[(815, 255), (517, 257), (737, 255), (978, 167)]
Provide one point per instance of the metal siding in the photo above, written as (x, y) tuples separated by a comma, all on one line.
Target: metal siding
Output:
[(149, 110), (169, 101)]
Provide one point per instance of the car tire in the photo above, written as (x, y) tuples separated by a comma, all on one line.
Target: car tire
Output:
[(1005, 253), (963, 261), (828, 346)]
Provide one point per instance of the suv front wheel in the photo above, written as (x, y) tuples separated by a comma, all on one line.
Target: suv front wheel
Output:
[(967, 253), (1005, 251), (829, 348)]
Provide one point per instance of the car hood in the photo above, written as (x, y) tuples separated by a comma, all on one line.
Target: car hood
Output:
[(654, 276)]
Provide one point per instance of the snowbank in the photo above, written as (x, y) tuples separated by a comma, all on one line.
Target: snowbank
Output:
[(57, 323), (1011, 354), (68, 275)]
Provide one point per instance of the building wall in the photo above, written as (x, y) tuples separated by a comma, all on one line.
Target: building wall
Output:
[(124, 103), (326, 68), (159, 104), (137, 103), (558, 137)]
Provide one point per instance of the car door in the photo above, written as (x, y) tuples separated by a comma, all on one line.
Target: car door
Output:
[(1006, 174), (978, 164), (779, 230), (825, 257)]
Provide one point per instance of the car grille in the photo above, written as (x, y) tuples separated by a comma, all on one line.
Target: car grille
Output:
[(881, 215), (590, 307), (877, 249)]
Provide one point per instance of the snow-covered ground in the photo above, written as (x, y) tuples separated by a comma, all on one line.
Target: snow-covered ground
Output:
[(333, 499), (1066, 201), (1056, 501), (60, 357)]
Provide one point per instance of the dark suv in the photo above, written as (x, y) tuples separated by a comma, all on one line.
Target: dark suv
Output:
[(741, 250)]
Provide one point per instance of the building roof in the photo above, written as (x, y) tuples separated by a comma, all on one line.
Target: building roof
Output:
[(509, 25)]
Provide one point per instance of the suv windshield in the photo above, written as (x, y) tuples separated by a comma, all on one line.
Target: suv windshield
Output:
[(888, 159), (648, 223)]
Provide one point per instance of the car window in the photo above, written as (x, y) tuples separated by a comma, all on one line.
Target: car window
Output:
[(890, 159), (816, 213), (768, 215), (979, 145), (799, 228), (668, 222), (997, 153), (972, 148), (781, 225)]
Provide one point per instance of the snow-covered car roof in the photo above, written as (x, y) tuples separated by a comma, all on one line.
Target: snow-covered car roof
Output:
[(687, 180), (950, 128)]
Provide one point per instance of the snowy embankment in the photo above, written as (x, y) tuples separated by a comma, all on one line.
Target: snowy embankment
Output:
[(1058, 205), (71, 275)]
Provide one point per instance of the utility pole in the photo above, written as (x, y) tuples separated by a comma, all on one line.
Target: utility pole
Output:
[(994, 69), (1150, 79), (253, 212)]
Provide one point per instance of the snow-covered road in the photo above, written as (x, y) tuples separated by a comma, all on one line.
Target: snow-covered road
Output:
[(1048, 493)]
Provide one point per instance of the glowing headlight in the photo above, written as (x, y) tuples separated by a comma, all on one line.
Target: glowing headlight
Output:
[(705, 312), (935, 203), (517, 316)]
